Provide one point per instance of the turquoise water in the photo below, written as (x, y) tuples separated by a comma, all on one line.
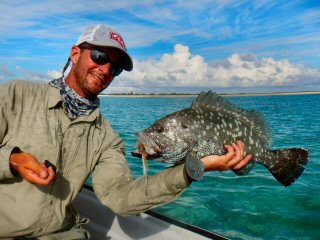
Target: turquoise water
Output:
[(254, 206)]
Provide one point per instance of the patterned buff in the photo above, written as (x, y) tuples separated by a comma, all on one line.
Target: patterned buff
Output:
[(75, 105)]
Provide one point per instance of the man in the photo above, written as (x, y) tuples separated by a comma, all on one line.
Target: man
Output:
[(61, 122)]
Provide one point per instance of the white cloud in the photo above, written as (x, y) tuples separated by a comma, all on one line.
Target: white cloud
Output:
[(177, 69), (23, 74), (5, 71), (182, 70), (32, 76), (248, 71), (54, 74)]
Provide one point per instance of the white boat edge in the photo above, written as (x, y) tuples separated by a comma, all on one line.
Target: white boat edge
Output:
[(104, 224)]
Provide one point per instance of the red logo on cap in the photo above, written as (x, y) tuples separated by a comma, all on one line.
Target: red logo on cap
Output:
[(117, 38)]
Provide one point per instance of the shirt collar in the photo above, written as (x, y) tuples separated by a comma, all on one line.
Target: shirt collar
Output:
[(54, 98)]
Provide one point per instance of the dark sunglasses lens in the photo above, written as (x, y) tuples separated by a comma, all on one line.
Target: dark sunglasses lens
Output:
[(100, 58)]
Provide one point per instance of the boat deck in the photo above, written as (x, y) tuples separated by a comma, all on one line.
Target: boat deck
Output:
[(104, 224)]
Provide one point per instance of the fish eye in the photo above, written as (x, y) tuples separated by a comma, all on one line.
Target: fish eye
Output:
[(184, 126), (160, 129)]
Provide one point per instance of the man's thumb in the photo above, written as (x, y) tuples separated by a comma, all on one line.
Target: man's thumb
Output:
[(42, 171)]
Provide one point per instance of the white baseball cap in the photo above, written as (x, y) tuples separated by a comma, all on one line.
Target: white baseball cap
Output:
[(104, 36)]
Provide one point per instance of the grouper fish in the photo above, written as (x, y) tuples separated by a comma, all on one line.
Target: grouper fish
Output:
[(203, 129)]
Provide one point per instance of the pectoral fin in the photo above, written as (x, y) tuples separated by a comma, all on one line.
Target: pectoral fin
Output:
[(194, 167)]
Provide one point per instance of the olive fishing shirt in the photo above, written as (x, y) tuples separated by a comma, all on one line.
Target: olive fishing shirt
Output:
[(33, 119)]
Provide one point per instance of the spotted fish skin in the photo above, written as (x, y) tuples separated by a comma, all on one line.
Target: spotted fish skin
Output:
[(209, 124)]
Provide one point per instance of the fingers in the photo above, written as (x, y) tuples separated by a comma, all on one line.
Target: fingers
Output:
[(230, 152), (235, 155), (31, 170), (234, 159), (238, 154), (48, 179), (33, 177), (243, 162), (241, 147), (41, 170)]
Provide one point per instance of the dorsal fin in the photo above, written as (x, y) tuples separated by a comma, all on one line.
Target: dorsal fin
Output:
[(251, 118)]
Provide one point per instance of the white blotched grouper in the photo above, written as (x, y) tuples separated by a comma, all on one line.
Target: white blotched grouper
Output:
[(204, 128)]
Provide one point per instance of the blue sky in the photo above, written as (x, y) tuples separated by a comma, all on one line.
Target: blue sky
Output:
[(177, 46)]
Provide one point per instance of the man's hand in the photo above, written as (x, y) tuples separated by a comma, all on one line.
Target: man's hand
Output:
[(233, 159), (30, 169)]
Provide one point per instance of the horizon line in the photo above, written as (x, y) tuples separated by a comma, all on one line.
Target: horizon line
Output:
[(222, 94)]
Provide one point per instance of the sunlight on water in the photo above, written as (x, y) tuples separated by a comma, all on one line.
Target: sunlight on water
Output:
[(254, 206)]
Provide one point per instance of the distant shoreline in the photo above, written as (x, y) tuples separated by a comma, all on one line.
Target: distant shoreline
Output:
[(222, 94)]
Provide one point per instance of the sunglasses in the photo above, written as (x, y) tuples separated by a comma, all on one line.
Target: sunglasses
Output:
[(101, 58)]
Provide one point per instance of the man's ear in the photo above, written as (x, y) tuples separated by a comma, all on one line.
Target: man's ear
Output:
[(75, 54)]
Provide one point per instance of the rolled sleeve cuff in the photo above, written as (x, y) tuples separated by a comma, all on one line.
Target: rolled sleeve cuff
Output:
[(5, 152)]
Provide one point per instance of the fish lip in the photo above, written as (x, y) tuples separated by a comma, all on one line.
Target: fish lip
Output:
[(137, 153), (148, 144)]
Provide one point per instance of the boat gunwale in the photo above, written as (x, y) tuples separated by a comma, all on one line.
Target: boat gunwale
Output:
[(178, 223)]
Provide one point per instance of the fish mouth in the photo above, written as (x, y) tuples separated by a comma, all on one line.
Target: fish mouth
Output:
[(147, 148), (137, 153)]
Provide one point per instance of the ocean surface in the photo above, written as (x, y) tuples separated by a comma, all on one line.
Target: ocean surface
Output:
[(254, 206)]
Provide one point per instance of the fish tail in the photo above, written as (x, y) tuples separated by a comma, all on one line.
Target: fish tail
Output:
[(285, 164)]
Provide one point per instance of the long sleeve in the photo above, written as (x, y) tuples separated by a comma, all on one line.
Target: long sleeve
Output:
[(113, 184), (5, 150)]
